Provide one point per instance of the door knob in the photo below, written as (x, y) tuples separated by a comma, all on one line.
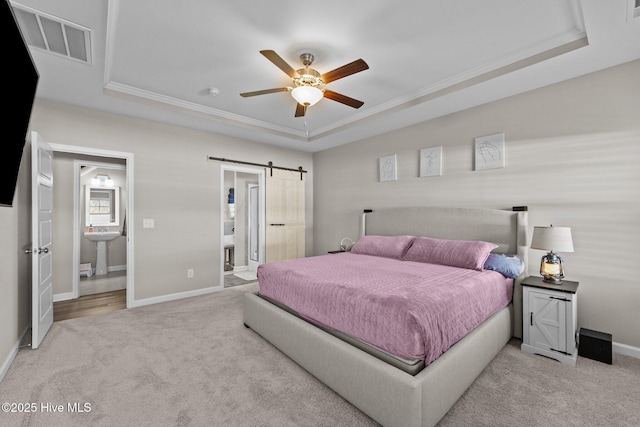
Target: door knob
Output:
[(28, 251), (45, 250)]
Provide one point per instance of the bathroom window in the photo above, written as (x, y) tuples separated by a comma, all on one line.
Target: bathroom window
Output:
[(99, 205)]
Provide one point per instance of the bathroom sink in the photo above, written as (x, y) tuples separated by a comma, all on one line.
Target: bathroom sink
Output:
[(101, 236)]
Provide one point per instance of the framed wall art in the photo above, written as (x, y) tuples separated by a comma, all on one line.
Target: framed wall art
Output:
[(490, 152), (388, 168), (431, 161)]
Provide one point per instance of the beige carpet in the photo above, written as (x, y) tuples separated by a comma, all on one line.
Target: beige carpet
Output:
[(193, 363)]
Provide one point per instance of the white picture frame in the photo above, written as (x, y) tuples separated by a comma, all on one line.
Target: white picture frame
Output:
[(388, 168), (431, 161), (490, 152)]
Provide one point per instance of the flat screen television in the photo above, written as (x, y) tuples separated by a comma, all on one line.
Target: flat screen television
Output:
[(22, 81)]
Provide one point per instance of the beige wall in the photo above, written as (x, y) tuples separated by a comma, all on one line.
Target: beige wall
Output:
[(174, 184), (15, 266), (573, 157)]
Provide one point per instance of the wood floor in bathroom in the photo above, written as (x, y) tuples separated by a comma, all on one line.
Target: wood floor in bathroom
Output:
[(90, 305)]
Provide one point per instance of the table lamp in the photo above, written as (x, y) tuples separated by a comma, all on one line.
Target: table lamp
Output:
[(552, 239)]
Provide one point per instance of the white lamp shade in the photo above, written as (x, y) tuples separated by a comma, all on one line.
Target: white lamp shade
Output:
[(307, 95), (555, 239)]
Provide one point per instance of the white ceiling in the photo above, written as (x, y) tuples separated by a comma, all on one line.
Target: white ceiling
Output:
[(155, 58)]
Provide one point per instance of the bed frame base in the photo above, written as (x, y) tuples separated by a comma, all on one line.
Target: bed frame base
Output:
[(385, 393)]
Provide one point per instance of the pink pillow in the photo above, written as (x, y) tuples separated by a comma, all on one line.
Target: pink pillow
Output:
[(456, 253), (384, 246)]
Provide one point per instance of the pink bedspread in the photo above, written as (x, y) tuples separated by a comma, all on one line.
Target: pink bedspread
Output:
[(409, 309)]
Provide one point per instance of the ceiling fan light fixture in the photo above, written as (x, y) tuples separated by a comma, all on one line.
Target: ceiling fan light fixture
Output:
[(309, 84), (307, 95)]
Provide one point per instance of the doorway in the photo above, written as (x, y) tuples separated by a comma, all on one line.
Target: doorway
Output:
[(241, 224), (100, 206), (97, 187), (83, 174)]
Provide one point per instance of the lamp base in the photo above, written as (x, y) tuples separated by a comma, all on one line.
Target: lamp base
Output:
[(552, 280), (551, 268)]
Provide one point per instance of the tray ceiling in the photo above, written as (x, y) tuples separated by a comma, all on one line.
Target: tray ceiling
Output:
[(159, 59)]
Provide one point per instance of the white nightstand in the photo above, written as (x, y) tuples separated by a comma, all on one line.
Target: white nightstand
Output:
[(549, 319)]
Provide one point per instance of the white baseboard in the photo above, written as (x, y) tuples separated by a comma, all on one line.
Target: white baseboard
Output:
[(62, 297), (626, 350), (116, 268), (176, 296), (12, 355)]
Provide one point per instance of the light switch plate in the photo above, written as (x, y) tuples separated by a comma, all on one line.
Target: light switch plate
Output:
[(148, 223)]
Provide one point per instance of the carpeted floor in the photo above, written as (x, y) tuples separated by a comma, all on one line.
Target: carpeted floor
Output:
[(192, 363)]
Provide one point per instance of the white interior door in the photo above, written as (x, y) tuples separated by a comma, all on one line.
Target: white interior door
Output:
[(41, 231), (253, 247)]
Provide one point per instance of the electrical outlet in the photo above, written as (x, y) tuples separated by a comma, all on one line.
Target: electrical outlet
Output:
[(190, 273), (148, 223)]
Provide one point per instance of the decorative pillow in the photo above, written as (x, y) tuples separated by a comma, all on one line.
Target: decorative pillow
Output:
[(510, 266), (384, 246), (456, 253)]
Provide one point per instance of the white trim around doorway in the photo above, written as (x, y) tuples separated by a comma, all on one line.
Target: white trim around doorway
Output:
[(128, 157)]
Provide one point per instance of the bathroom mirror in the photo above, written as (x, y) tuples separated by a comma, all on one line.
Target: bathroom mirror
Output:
[(102, 206)]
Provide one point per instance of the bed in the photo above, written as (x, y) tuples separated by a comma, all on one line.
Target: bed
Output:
[(390, 395)]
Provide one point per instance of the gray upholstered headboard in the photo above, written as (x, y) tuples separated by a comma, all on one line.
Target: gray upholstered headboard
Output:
[(506, 228)]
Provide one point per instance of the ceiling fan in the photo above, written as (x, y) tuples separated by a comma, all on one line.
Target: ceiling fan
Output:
[(308, 84)]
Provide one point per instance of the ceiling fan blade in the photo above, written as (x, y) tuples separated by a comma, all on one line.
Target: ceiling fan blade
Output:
[(264, 92), (344, 71), (300, 110), (280, 63), (343, 99)]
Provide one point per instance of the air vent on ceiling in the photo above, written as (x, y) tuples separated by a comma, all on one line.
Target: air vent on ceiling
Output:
[(634, 9), (53, 34)]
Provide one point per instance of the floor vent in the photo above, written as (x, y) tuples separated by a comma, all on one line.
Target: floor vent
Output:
[(53, 34)]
